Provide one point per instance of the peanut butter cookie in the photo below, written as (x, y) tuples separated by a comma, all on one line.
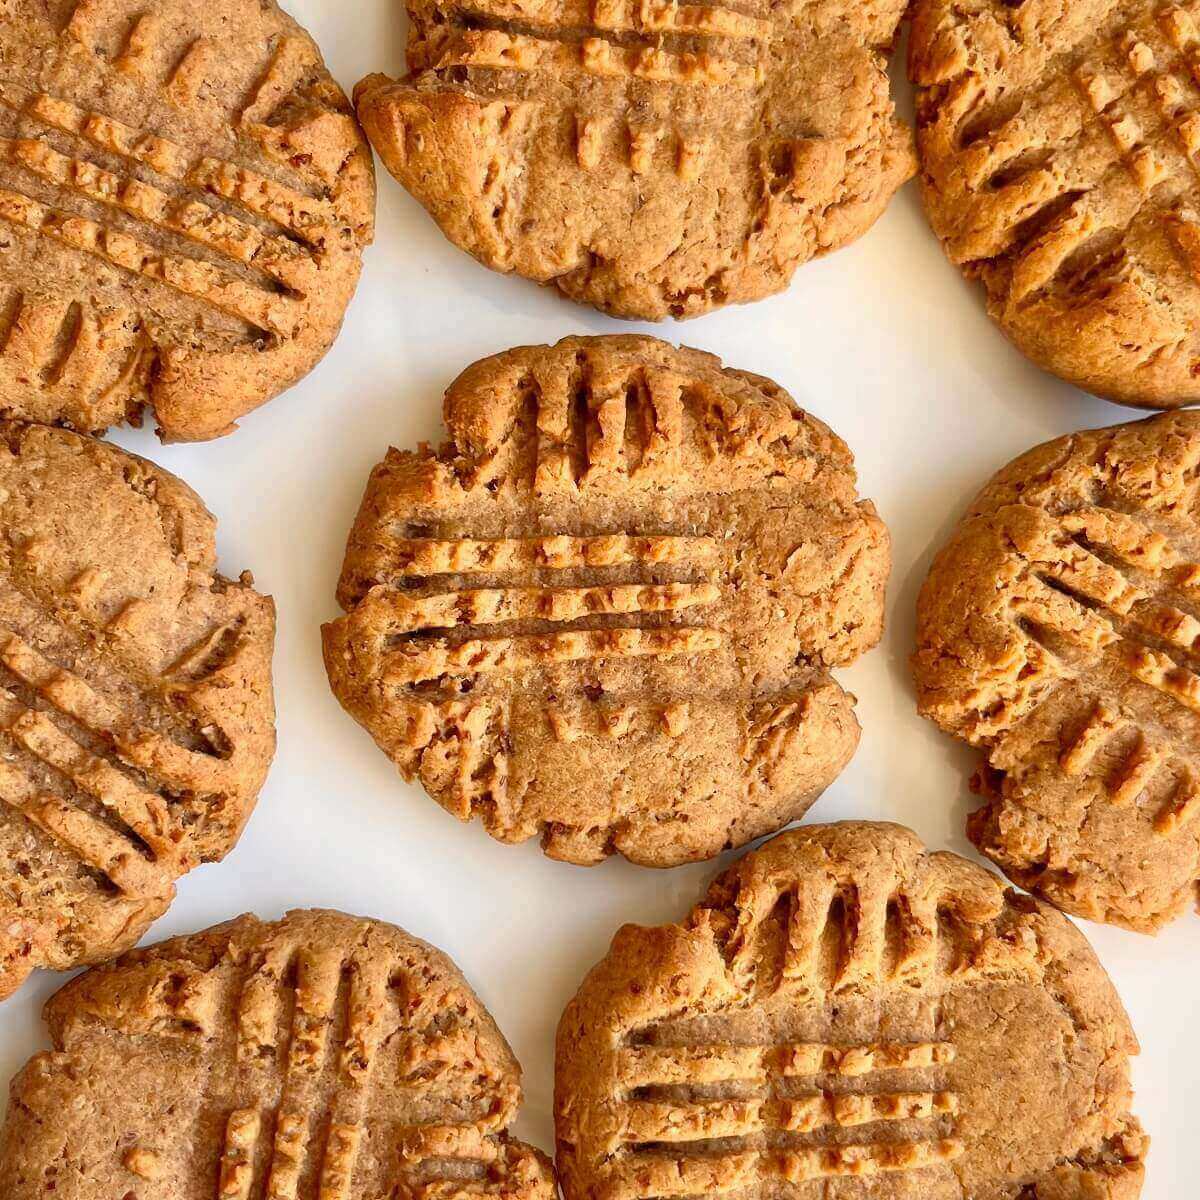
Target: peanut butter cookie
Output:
[(1058, 144), (606, 611), (846, 1015), (1058, 633), (184, 201), (649, 157), (322, 1057), (136, 717)]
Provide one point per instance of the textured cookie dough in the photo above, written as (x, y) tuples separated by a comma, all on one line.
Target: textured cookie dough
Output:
[(322, 1057), (650, 158), (184, 200), (1058, 633), (136, 714), (846, 1015), (1057, 144), (606, 611)]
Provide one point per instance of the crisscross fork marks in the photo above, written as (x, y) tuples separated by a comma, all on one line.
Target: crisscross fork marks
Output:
[(1023, 166), (220, 223), (573, 584), (1091, 604), (758, 1120), (131, 837), (299, 216)]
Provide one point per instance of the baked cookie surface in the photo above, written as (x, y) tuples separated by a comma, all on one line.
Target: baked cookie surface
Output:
[(1057, 633), (136, 714), (1057, 144), (606, 611), (321, 1057), (651, 159), (845, 1014), (184, 200)]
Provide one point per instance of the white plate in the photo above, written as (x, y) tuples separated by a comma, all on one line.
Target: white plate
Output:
[(883, 340)]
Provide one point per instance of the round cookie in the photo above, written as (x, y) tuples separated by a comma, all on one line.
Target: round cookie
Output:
[(322, 1056), (184, 200), (845, 1014), (1057, 633), (652, 159), (607, 609), (1057, 144), (136, 715)]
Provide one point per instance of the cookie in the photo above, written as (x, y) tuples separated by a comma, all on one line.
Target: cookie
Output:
[(847, 1015), (184, 201), (647, 157), (136, 715), (605, 612), (1057, 633), (1057, 144), (322, 1057)]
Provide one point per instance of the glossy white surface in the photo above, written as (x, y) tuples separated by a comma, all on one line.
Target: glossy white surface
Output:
[(883, 341)]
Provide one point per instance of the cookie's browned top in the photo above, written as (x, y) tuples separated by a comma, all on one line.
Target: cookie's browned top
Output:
[(322, 1057), (184, 198), (607, 609), (136, 716), (1059, 160), (651, 158), (847, 1013), (1058, 633)]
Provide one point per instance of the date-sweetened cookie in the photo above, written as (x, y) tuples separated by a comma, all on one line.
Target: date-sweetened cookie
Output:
[(845, 1014), (322, 1057), (1058, 633), (649, 157), (136, 715), (1058, 144), (184, 200), (606, 611)]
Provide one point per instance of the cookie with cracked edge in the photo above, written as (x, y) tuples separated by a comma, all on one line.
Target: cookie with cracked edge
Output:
[(1057, 145), (649, 158), (606, 610), (136, 715), (185, 196), (846, 1013), (321, 1057), (1057, 633)]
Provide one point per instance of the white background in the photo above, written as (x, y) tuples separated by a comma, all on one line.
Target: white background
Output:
[(883, 340)]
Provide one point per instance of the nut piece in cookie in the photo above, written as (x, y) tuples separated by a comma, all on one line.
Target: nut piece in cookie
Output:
[(1059, 633), (846, 1014), (322, 1057), (651, 159), (136, 715), (184, 200), (606, 611), (1058, 145)]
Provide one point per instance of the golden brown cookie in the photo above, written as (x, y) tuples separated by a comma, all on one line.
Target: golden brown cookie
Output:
[(1058, 633), (322, 1057), (1057, 145), (136, 716), (606, 611), (847, 1015), (184, 201), (649, 157)]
